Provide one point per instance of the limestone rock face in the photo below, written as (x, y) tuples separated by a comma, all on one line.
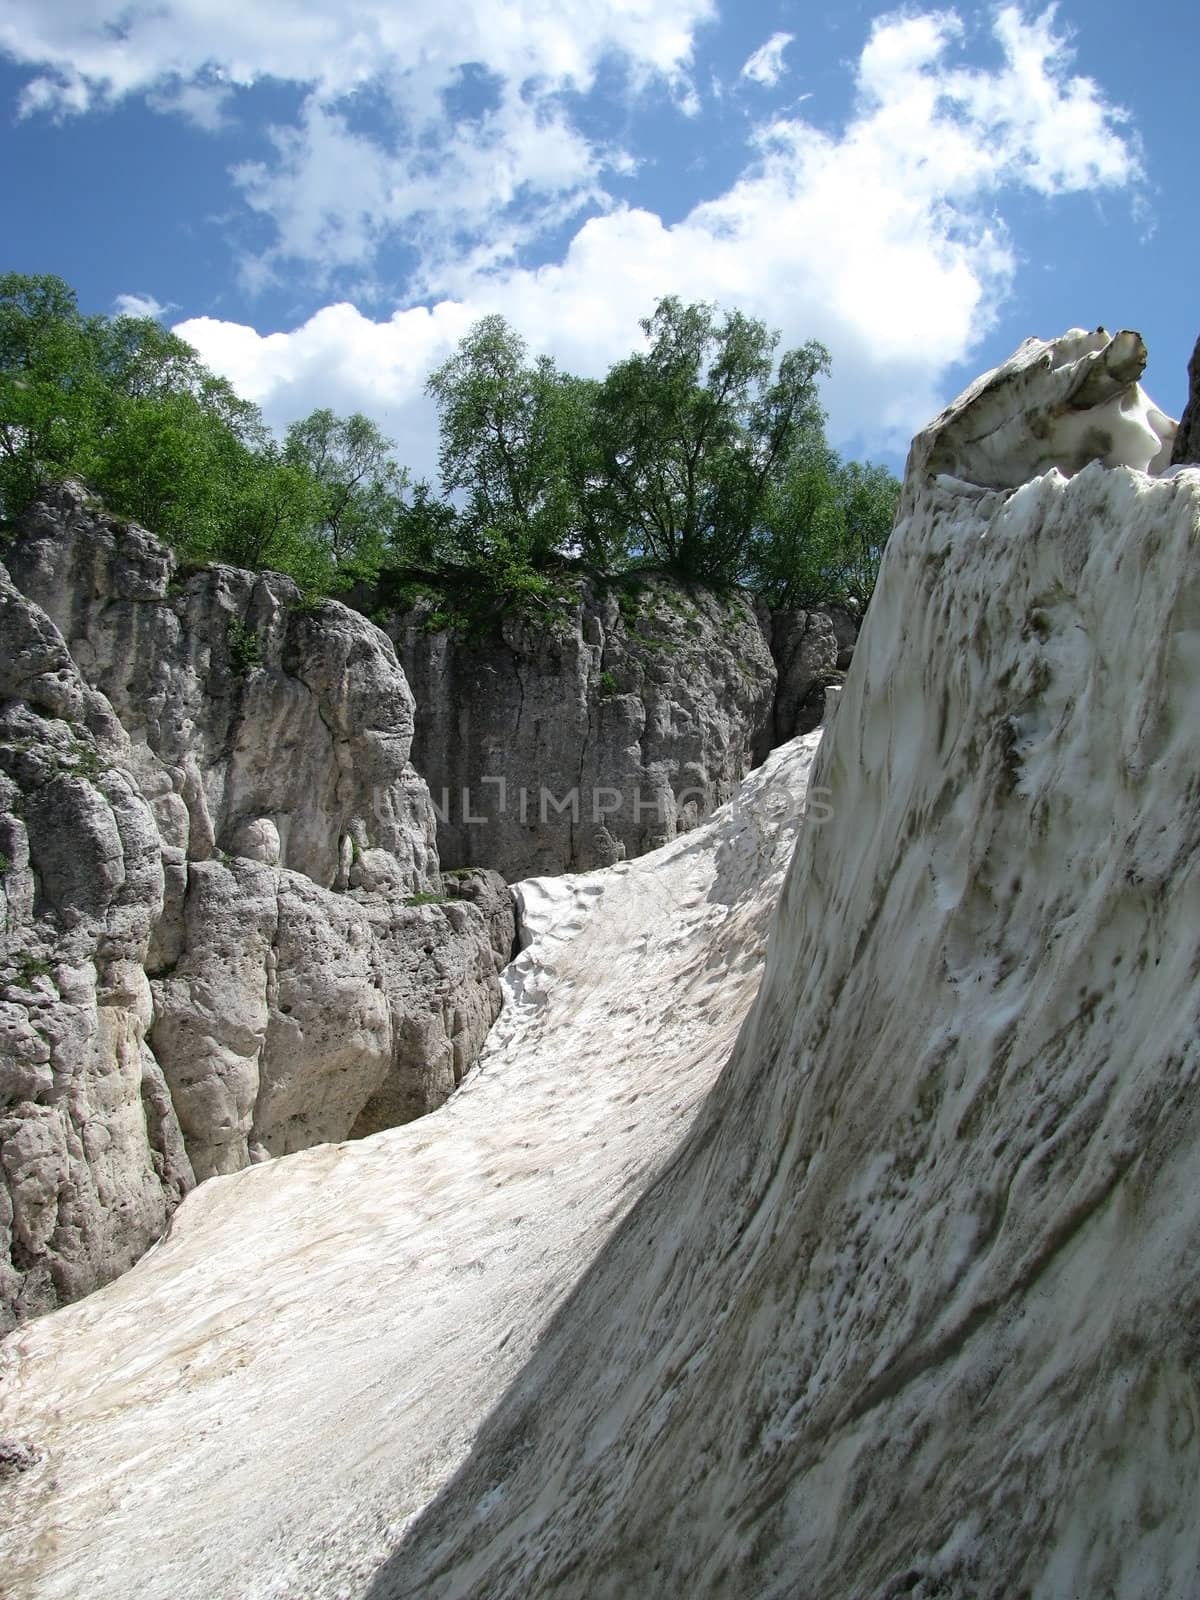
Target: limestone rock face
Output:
[(210, 833), (571, 744), (807, 651), (484, 888), (1186, 451), (438, 966), (272, 1026), (243, 707), (92, 1161)]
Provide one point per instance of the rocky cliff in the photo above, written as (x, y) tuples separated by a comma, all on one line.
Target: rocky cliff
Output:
[(562, 744), (812, 651), (220, 940), (904, 1304), (568, 744)]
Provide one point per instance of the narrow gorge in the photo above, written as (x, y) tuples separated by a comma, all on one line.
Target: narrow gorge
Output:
[(807, 1209), (228, 934)]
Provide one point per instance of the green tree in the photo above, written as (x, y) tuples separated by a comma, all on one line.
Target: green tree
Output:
[(131, 409), (823, 526), (699, 454), (692, 432), (49, 381), (359, 486), (270, 517), (517, 439), (869, 496)]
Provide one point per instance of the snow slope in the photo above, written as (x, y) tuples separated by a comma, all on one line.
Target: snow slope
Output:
[(265, 1400), (917, 1312)]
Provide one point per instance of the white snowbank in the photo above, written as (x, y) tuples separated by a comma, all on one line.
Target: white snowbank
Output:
[(260, 1406), (915, 1311)]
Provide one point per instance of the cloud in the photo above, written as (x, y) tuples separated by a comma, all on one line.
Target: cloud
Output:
[(883, 238), (206, 105), (138, 305), (766, 66), (380, 149), (96, 51), (335, 194)]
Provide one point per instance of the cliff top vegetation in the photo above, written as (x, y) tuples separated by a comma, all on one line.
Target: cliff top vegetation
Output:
[(701, 455)]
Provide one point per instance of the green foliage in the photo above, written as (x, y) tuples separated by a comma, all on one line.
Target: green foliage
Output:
[(824, 526), (629, 598), (702, 455), (425, 900), (78, 760), (245, 652), (48, 384), (86, 761), (608, 684), (692, 431), (29, 967), (518, 441), (5, 866), (131, 410), (355, 488)]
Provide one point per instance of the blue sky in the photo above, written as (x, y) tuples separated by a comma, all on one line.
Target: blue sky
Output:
[(322, 195)]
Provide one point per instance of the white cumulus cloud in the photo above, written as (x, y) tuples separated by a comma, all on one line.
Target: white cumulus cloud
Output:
[(883, 238), (766, 66), (98, 50), (138, 305), (332, 191)]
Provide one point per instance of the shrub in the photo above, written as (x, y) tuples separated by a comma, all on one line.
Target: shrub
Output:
[(245, 652)]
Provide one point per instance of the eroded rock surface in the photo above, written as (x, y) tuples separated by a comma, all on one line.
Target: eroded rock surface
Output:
[(245, 709), (92, 1161), (224, 931), (1186, 450), (808, 656), (568, 744)]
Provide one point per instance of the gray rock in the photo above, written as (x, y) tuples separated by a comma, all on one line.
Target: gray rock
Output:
[(570, 743), (847, 625), (1186, 451), (299, 1016), (439, 974), (212, 839), (92, 1161), (247, 706), (488, 892), (806, 651)]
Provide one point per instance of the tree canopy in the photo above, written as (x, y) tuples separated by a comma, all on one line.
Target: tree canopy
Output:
[(694, 430), (702, 454)]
